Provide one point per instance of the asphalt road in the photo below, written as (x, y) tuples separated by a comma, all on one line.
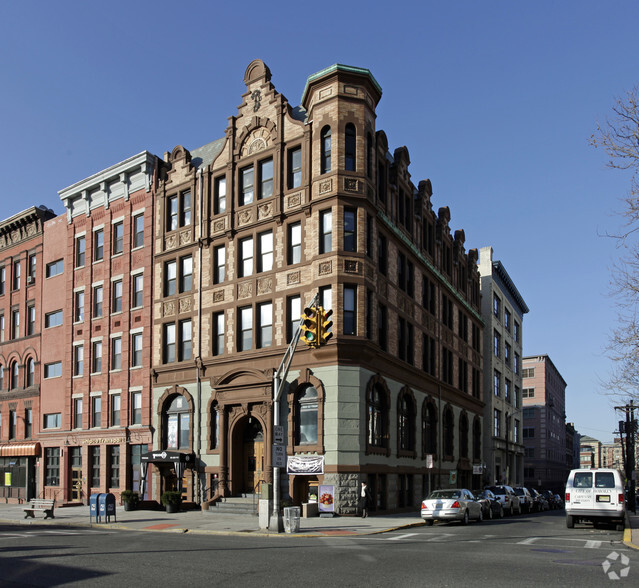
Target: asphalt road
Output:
[(534, 550)]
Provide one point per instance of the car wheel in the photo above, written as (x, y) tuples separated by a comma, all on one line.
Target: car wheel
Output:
[(429, 522), (570, 522), (465, 519)]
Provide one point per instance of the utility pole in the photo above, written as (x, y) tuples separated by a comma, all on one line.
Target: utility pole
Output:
[(630, 428)]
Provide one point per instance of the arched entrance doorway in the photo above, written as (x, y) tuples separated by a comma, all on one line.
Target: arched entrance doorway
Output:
[(250, 467)]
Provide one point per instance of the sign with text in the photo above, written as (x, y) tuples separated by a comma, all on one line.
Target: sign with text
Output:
[(279, 456), (278, 434)]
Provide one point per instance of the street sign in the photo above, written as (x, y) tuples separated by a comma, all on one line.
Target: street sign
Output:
[(278, 435), (429, 461), (279, 456)]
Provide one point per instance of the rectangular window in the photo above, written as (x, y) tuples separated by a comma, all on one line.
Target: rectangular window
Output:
[(350, 308), (136, 350), (137, 295), (382, 257), (1, 329), (31, 269), (496, 423), (265, 251), (186, 273), (16, 275), (138, 230), (507, 390), (52, 466), (170, 278), (382, 327), (447, 365), (53, 319), (96, 411), (429, 351), (185, 208), (116, 353), (79, 307), (116, 303), (98, 294), (55, 268), (78, 360), (295, 167), (95, 466), (171, 213), (53, 370), (28, 423), (245, 339), (496, 383), (266, 178), (528, 373), (517, 363), (13, 424), (31, 320), (496, 306), (294, 252), (246, 186), (496, 344), (246, 257), (507, 354), (528, 393), (3, 279), (293, 315), (219, 264), (218, 333), (114, 466), (265, 333), (186, 340), (350, 230), (326, 231), (77, 413), (52, 421), (401, 271), (517, 333), (115, 410), (136, 408), (169, 343), (507, 319), (96, 365), (15, 324), (118, 237), (219, 206), (98, 245)]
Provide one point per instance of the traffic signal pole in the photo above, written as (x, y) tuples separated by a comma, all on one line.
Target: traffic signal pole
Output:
[(630, 427)]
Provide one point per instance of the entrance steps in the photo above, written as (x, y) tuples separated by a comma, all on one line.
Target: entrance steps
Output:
[(245, 504)]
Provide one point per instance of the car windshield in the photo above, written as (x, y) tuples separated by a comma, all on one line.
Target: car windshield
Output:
[(445, 494)]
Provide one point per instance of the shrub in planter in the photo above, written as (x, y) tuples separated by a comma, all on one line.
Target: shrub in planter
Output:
[(130, 499), (171, 499)]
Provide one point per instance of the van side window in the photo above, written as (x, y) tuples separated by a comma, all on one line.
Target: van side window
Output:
[(583, 480), (604, 480)]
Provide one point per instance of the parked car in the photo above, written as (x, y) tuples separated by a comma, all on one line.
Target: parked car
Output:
[(492, 507), (595, 495), (525, 499), (456, 504), (540, 504), (559, 501), (507, 497), (549, 495)]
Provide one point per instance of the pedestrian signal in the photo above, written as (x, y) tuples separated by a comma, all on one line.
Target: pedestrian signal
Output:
[(309, 324)]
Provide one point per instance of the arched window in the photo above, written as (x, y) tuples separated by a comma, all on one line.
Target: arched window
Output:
[(349, 147), (325, 157), (15, 373), (463, 435), (429, 428), (306, 412), (178, 424), (477, 440), (376, 416), (30, 372), (449, 432), (406, 422)]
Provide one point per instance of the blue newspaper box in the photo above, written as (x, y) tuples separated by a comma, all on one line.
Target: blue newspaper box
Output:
[(106, 506), (93, 507)]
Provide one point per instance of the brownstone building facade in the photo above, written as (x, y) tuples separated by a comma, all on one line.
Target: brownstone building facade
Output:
[(291, 203)]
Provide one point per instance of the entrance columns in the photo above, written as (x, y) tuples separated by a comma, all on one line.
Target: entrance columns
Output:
[(268, 469), (223, 488)]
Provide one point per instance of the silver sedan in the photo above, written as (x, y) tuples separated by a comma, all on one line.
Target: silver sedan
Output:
[(456, 504)]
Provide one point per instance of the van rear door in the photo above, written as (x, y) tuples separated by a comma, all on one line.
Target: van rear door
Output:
[(582, 495)]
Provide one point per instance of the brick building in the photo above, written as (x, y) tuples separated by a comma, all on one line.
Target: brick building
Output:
[(294, 202)]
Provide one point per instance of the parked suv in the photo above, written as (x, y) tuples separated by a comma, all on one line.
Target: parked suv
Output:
[(595, 495), (525, 499), (507, 497)]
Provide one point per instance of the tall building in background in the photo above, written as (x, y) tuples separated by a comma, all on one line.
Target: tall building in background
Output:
[(21, 295), (544, 401), (503, 310)]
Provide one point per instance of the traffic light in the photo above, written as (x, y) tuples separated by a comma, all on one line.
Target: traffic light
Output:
[(310, 324), (325, 325)]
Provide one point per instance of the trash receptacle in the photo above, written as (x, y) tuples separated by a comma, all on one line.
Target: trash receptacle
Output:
[(93, 507), (106, 506), (292, 519)]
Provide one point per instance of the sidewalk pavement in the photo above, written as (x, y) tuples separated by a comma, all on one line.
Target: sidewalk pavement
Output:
[(196, 521)]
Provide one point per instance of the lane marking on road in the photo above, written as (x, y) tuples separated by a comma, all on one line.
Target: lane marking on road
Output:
[(398, 537), (592, 544), (528, 541)]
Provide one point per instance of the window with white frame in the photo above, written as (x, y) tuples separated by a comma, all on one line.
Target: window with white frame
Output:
[(245, 339), (246, 257), (265, 317), (265, 251), (219, 264), (294, 251), (137, 294)]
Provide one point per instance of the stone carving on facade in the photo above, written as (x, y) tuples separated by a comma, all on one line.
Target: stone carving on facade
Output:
[(219, 225), (326, 186), (256, 146), (218, 296), (185, 237), (184, 305), (170, 242), (265, 285), (352, 185), (294, 200), (245, 289), (351, 266), (168, 308), (293, 278), (325, 268), (244, 217), (265, 210)]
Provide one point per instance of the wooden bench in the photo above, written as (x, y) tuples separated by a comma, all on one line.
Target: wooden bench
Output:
[(44, 505)]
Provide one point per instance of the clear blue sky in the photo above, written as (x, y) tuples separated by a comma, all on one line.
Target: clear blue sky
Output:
[(495, 100)]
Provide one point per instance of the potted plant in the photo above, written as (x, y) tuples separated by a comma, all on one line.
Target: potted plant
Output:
[(171, 500), (130, 499)]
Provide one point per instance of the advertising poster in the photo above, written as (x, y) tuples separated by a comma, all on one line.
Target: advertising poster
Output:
[(452, 478), (326, 498)]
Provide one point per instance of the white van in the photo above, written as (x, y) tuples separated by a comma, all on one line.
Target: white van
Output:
[(595, 495)]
